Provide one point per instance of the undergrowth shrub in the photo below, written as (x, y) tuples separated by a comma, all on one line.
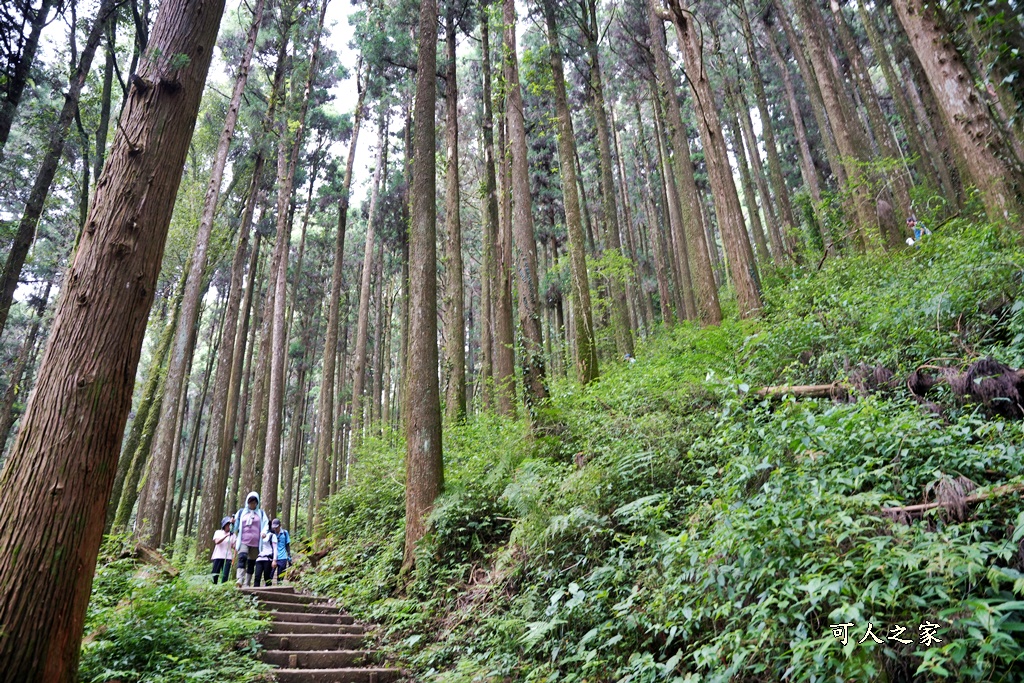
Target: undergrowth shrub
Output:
[(673, 527), (145, 626)]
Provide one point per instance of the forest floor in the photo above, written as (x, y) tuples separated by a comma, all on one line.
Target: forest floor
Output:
[(670, 524)]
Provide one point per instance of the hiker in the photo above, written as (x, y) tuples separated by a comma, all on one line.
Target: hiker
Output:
[(223, 549), (250, 525), (917, 228), (284, 549), (266, 561)]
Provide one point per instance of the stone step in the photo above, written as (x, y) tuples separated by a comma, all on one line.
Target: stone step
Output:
[(317, 659), (311, 608), (312, 618), (312, 641), (278, 589), (283, 626), (270, 595), (337, 675)]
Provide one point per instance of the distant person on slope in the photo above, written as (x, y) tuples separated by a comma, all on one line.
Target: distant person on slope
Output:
[(284, 549), (250, 525), (223, 549)]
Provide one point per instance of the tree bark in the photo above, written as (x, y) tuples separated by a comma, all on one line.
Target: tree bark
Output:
[(63, 460), (742, 268), (158, 483), (705, 292), (455, 332), (26, 233), (585, 348), (742, 154), (325, 402), (655, 239), (617, 289), (424, 467), (278, 361), (969, 123), (536, 390), (504, 353), (363, 319)]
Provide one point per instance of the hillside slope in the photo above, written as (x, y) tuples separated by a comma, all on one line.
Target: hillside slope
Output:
[(670, 525)]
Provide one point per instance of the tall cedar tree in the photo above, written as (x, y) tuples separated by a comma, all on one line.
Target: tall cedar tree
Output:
[(64, 458), (424, 466)]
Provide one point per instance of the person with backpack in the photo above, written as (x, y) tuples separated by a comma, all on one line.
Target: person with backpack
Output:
[(223, 550), (250, 525), (266, 561), (284, 549)]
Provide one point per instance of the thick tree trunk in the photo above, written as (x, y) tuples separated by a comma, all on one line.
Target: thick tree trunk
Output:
[(319, 490), (585, 351), (158, 483), (63, 460), (424, 467), (455, 328), (704, 289), (14, 88), (969, 123), (522, 221), (26, 233), (363, 318), (742, 268)]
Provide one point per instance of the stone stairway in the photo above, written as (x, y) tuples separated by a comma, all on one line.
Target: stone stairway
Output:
[(314, 642)]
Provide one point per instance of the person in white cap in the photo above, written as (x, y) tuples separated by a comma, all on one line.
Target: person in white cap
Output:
[(250, 525)]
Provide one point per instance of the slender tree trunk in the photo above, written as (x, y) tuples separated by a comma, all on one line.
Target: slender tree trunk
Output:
[(585, 351), (424, 467), (363, 320), (727, 206), (522, 221), (16, 384), (64, 458), (970, 125), (620, 312), (278, 360), (778, 181), (319, 490), (808, 170), (654, 239), (746, 133), (504, 353), (26, 233), (455, 332), (20, 71), (705, 291), (742, 155)]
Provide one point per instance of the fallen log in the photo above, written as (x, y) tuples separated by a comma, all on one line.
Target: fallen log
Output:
[(981, 495), (834, 390), (155, 559)]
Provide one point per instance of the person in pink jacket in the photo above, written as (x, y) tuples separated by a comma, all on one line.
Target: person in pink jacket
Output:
[(223, 550)]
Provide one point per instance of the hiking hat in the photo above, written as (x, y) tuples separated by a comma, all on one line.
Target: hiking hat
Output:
[(276, 523), (227, 520)]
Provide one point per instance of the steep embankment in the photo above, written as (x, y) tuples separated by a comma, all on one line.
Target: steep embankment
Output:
[(672, 523)]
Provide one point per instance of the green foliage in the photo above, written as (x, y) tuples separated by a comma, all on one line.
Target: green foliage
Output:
[(146, 626), (673, 527)]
